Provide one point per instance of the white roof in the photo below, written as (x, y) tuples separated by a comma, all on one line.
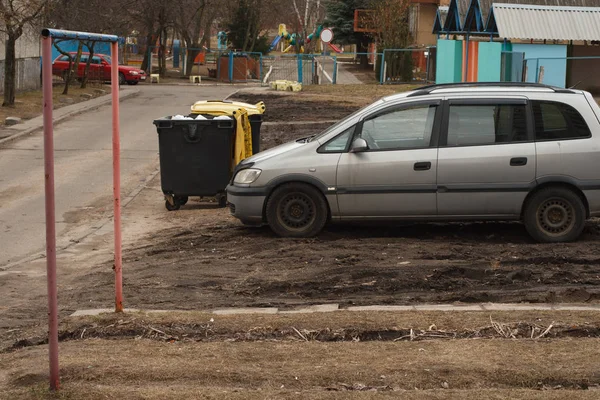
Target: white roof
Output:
[(521, 21)]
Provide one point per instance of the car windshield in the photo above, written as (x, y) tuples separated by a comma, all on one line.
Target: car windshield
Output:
[(107, 59), (334, 126)]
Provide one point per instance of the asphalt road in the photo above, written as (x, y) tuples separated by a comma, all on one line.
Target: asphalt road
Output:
[(83, 167)]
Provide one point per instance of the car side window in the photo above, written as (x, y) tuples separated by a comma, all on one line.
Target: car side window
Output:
[(64, 58), (338, 144), (400, 129), (96, 60), (558, 121), (486, 124), (83, 59)]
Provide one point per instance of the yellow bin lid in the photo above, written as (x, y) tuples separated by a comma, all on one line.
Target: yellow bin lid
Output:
[(218, 107)]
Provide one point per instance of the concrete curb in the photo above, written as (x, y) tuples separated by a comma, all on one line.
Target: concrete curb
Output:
[(63, 113), (375, 308)]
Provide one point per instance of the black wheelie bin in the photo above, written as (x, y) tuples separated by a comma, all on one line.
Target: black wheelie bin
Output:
[(195, 158)]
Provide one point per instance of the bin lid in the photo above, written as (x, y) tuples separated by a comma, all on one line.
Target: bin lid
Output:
[(219, 107)]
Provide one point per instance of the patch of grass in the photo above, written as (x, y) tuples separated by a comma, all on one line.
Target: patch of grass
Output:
[(29, 104), (485, 369)]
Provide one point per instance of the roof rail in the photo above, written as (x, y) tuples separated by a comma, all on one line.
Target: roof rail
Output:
[(430, 88)]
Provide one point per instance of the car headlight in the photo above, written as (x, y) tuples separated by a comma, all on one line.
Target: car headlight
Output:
[(134, 73), (246, 176)]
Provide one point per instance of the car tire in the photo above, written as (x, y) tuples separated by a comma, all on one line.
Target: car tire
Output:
[(132, 83), (296, 210), (122, 80), (554, 214)]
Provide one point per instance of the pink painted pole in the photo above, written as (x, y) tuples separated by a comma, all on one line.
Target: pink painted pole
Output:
[(50, 213), (114, 71)]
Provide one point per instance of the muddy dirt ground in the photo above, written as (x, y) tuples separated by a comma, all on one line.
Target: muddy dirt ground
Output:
[(202, 258), (290, 107), (208, 259)]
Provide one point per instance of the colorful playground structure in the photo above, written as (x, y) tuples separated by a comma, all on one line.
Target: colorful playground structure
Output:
[(294, 40)]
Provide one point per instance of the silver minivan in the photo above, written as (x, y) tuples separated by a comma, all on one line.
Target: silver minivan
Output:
[(455, 152)]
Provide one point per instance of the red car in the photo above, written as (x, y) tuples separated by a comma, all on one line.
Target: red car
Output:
[(99, 68)]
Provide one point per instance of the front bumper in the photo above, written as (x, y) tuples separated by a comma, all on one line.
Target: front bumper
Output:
[(135, 78), (246, 203)]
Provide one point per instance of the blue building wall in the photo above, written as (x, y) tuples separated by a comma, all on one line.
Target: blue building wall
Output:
[(555, 71), (71, 45)]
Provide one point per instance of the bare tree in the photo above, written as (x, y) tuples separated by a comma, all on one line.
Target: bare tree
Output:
[(194, 20), (391, 17), (154, 18), (98, 16), (309, 14), (16, 15)]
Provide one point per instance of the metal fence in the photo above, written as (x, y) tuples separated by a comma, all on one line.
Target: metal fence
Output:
[(578, 72), (293, 67), (407, 66)]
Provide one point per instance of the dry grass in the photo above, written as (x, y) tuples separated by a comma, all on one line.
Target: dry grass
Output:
[(484, 369), (29, 104), (238, 362), (335, 326)]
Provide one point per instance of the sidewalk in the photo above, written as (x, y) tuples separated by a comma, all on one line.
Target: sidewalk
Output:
[(30, 126), (320, 308)]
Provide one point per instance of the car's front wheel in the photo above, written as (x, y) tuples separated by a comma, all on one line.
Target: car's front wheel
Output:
[(555, 214), (296, 210), (122, 80)]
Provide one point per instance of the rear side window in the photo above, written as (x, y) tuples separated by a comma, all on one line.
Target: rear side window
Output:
[(558, 121), (64, 58), (486, 124)]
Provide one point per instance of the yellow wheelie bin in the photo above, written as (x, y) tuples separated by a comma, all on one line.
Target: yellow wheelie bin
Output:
[(254, 113)]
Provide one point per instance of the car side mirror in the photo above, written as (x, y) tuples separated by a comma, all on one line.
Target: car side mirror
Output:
[(359, 145)]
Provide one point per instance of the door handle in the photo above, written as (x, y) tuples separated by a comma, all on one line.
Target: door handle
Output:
[(518, 161), (423, 166)]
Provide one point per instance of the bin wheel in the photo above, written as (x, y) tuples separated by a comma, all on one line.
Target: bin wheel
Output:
[(172, 207), (181, 200), (222, 200)]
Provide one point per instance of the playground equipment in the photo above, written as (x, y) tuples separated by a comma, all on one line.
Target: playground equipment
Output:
[(222, 40), (294, 40)]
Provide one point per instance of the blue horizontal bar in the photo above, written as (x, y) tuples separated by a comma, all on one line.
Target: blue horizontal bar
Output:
[(60, 34)]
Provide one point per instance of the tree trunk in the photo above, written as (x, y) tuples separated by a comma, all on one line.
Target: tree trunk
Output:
[(78, 59), (86, 71), (146, 66), (363, 47), (10, 72)]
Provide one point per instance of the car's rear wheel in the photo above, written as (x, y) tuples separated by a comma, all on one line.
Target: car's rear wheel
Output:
[(555, 214), (296, 210)]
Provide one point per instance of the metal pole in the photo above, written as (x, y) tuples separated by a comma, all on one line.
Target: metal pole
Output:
[(466, 71), (50, 213), (114, 71), (335, 69), (381, 72)]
